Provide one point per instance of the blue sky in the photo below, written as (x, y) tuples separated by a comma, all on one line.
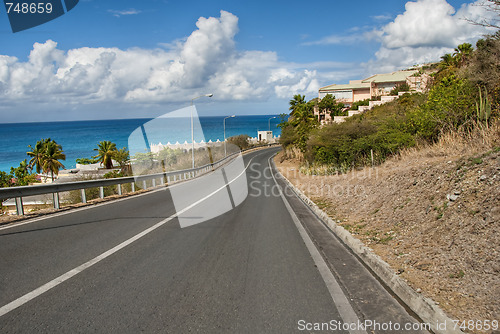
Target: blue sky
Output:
[(119, 59)]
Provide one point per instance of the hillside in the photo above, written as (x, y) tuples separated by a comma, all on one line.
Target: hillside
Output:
[(432, 213)]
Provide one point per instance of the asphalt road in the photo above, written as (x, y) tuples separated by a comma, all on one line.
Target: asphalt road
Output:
[(128, 266)]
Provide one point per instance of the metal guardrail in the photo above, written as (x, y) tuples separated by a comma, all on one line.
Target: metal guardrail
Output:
[(55, 188)]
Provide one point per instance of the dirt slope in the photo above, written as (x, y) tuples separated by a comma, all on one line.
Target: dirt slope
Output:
[(433, 215)]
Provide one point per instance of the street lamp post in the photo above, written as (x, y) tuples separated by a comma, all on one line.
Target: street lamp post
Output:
[(192, 129), (270, 122), (225, 151)]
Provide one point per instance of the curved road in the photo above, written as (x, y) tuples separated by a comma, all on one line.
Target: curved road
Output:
[(127, 266)]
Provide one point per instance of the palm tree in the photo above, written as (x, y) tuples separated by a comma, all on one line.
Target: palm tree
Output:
[(304, 115), (51, 157), (20, 173), (448, 60), (297, 101), (23, 167), (105, 153), (303, 121), (462, 53), (37, 153), (122, 156)]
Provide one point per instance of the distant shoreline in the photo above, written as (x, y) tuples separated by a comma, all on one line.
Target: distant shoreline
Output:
[(79, 138), (122, 119)]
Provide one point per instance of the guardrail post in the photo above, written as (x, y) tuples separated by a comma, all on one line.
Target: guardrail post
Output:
[(19, 206), (75, 186), (55, 199), (144, 185), (84, 197)]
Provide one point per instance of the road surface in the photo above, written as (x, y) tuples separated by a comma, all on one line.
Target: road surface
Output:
[(127, 266)]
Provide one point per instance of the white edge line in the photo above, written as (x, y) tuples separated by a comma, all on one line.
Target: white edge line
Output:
[(340, 300), (64, 277)]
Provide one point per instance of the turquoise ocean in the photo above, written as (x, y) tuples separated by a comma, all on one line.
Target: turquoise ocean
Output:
[(79, 138)]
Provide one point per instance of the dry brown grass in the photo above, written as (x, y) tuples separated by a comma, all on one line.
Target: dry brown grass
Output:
[(451, 144), (292, 153), (402, 210)]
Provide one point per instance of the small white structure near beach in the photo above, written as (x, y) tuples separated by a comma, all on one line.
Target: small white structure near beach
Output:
[(265, 136)]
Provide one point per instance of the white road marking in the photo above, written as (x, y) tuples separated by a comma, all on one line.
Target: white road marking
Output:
[(57, 214), (64, 277), (91, 206), (340, 300)]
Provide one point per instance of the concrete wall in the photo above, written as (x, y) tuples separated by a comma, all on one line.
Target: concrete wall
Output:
[(339, 119), (385, 99), (419, 83), (375, 103), (361, 94), (353, 112)]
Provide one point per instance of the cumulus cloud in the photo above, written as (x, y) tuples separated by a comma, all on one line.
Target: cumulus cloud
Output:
[(205, 61), (426, 30)]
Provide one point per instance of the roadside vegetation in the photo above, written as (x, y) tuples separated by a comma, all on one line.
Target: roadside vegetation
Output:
[(464, 95), (106, 154), (429, 207), (44, 157)]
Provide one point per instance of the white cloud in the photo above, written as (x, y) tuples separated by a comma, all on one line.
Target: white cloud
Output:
[(338, 39), (287, 84), (124, 12), (425, 31), (384, 17), (425, 23), (205, 61), (354, 35)]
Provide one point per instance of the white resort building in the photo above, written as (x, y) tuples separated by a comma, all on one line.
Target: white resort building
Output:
[(377, 87)]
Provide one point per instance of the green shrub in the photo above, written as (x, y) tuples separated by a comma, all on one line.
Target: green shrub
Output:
[(5, 179), (86, 161), (463, 92), (450, 104), (288, 136), (169, 156), (242, 141), (357, 104), (400, 88)]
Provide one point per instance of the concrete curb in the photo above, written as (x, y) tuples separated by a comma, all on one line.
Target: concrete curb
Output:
[(424, 307)]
